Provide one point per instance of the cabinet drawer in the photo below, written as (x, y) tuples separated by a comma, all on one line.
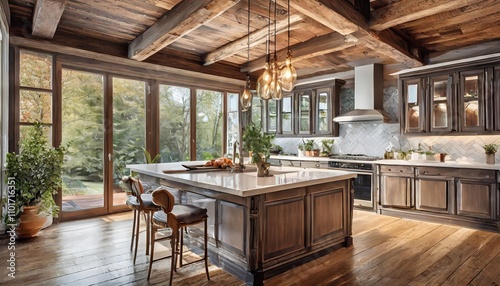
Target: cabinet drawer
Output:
[(397, 169), (477, 174), (309, 164), (441, 172), (290, 163)]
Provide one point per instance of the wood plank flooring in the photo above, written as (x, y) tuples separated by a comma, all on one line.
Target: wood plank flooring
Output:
[(386, 251)]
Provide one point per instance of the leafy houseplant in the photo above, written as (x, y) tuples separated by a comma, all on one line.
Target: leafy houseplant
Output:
[(327, 146), (37, 174), (255, 140), (490, 150)]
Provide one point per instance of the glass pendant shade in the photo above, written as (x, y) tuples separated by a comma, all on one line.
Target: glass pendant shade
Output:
[(275, 86), (263, 84), (246, 99), (288, 75)]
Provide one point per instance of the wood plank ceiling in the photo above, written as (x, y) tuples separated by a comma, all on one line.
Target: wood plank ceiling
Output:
[(210, 36)]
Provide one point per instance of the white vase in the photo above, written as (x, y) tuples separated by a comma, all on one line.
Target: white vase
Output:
[(49, 221)]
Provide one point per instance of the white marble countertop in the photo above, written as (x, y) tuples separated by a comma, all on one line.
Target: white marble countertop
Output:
[(242, 184), (449, 164), (429, 163)]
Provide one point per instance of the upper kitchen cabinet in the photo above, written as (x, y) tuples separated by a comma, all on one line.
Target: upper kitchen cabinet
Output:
[(451, 101), (308, 111), (471, 108), (413, 110)]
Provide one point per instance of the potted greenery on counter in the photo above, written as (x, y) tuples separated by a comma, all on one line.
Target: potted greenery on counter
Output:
[(490, 150), (255, 140), (36, 174)]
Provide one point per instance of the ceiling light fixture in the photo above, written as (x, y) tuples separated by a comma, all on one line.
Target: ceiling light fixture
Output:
[(288, 74), (264, 81), (275, 85), (246, 95)]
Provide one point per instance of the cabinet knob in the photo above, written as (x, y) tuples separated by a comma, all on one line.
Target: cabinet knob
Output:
[(401, 171), (389, 170)]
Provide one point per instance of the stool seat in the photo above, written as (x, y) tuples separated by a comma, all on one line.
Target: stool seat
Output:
[(147, 201), (184, 214), (176, 217)]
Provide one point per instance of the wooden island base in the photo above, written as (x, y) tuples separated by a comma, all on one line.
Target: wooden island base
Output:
[(258, 237)]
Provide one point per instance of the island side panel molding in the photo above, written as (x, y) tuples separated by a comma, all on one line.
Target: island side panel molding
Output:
[(328, 215)]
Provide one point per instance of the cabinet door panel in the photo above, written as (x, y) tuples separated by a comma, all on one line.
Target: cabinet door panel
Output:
[(305, 101), (432, 195), (395, 191), (414, 107), (471, 108), (441, 103), (476, 199), (323, 111), (324, 224), (231, 230)]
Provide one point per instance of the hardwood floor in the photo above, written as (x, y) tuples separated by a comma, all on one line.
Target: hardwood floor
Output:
[(386, 251)]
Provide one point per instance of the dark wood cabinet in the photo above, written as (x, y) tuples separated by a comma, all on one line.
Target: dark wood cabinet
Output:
[(396, 186), (469, 197), (477, 193), (463, 100), (434, 189), (308, 111)]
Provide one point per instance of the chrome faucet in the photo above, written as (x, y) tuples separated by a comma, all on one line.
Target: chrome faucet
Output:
[(237, 167)]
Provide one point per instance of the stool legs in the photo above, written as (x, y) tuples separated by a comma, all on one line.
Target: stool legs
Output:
[(133, 230), (152, 242), (137, 223), (206, 252)]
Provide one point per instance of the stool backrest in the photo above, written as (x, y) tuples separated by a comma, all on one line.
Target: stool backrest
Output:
[(163, 198), (136, 188)]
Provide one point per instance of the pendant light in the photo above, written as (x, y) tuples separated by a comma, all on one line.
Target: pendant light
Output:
[(264, 81), (288, 74), (275, 85), (246, 95)]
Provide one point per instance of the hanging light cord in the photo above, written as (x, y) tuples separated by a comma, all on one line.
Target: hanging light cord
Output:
[(248, 44), (288, 25), (275, 57)]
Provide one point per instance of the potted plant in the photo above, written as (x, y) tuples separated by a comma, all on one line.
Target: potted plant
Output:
[(308, 147), (300, 152), (327, 146), (36, 174), (255, 140), (490, 150)]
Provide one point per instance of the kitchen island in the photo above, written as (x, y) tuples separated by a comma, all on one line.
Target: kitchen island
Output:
[(260, 227)]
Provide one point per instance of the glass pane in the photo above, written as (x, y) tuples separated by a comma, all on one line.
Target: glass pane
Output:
[(175, 130), (208, 124), (24, 130), (256, 110), (83, 128), (471, 100), (304, 112), (413, 108), (323, 112), (35, 69), (286, 115), (34, 105), (233, 123), (271, 107), (129, 130), (440, 105)]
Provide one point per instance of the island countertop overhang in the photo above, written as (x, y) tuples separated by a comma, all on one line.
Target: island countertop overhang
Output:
[(242, 184)]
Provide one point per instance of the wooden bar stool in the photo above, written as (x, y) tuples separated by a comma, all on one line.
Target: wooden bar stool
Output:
[(139, 202), (176, 217)]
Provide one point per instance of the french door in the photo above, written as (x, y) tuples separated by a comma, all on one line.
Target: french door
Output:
[(103, 123)]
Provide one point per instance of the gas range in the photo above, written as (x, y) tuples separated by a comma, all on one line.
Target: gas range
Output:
[(354, 157)]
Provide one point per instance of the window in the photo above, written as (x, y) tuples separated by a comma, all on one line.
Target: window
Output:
[(256, 110), (175, 104), (233, 124), (209, 124), (35, 90)]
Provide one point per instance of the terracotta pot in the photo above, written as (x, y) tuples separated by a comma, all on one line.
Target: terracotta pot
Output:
[(490, 159), (31, 222)]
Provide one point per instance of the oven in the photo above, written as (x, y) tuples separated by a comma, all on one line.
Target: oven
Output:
[(364, 184)]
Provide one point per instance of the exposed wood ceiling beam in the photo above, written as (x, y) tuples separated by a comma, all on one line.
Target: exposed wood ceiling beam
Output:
[(184, 17), (346, 20), (410, 10), (314, 47), (240, 44), (46, 16)]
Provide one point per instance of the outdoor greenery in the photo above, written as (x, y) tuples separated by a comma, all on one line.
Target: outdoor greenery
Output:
[(36, 171), (86, 123)]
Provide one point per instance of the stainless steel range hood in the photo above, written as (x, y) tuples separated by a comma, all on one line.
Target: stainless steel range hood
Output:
[(368, 96)]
